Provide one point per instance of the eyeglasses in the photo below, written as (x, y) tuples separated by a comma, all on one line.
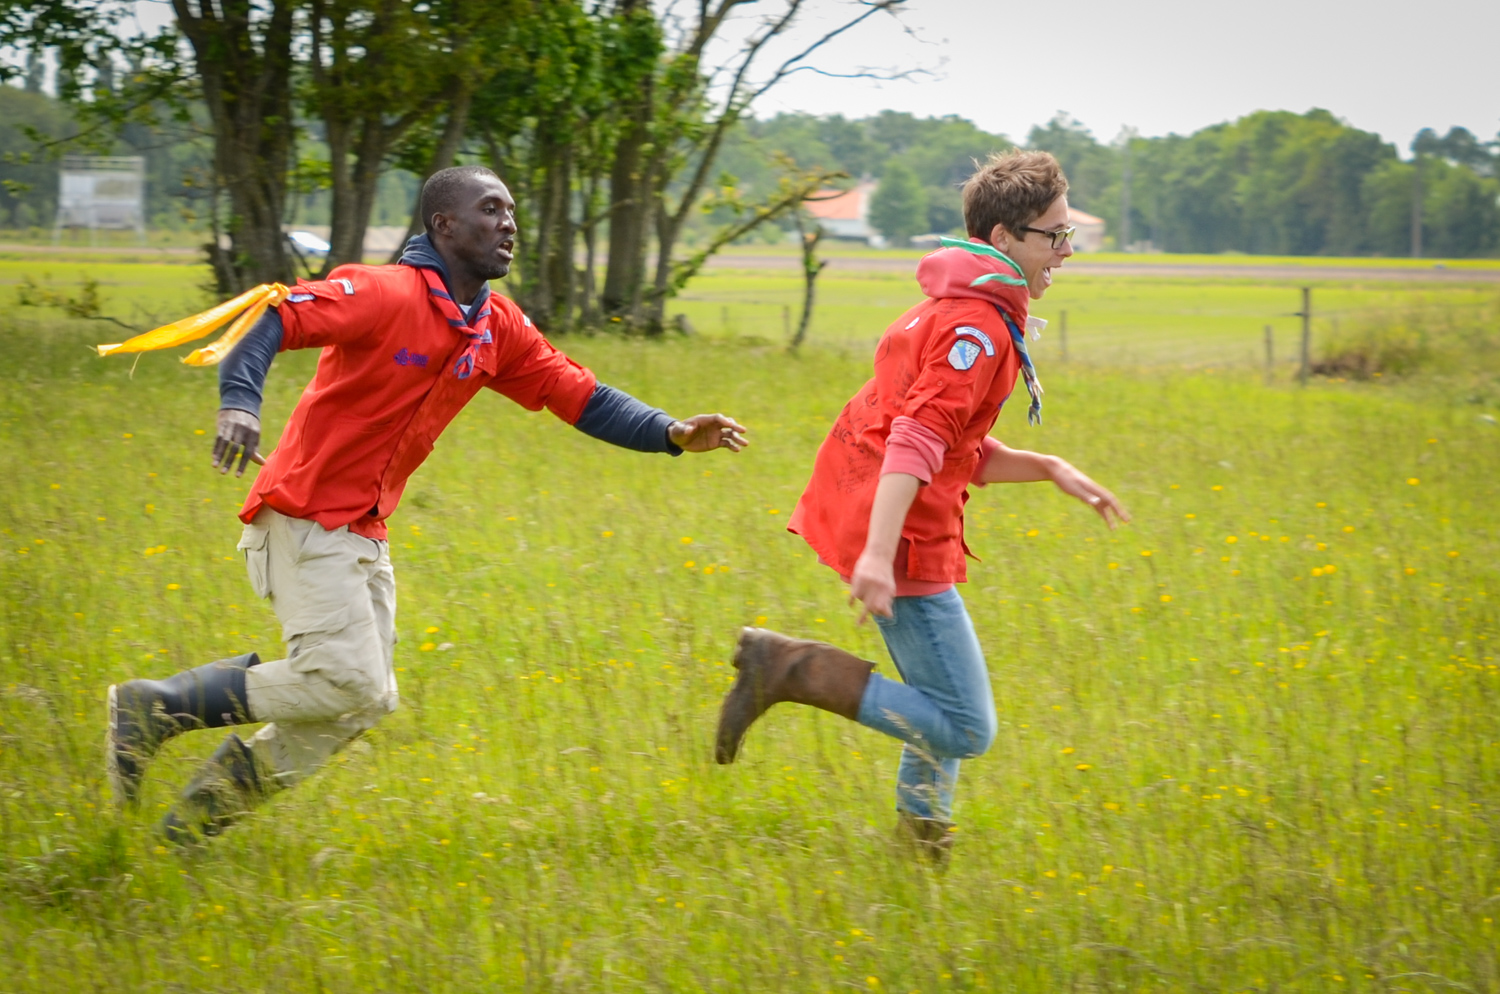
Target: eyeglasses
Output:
[(1058, 237)]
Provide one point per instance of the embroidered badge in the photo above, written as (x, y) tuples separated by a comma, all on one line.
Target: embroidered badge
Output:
[(989, 346), (348, 285), (300, 298), (405, 358), (914, 322), (963, 354)]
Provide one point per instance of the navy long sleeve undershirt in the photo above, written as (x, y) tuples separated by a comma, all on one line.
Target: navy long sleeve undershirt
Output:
[(242, 374), (616, 417), (611, 415)]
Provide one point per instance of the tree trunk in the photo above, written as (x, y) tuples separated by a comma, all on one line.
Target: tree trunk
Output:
[(248, 96), (587, 313), (549, 294), (443, 156), (630, 207), (354, 195), (811, 267)]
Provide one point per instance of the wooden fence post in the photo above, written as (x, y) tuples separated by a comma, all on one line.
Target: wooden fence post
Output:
[(1306, 315)]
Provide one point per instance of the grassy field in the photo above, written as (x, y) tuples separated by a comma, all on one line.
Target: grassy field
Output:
[(1249, 743)]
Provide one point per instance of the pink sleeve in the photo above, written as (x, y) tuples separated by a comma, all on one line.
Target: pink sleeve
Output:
[(987, 448), (914, 449)]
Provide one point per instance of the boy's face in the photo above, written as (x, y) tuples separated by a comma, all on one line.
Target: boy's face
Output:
[(1033, 251)]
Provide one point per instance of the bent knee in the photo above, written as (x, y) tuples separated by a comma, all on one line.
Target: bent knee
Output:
[(970, 741)]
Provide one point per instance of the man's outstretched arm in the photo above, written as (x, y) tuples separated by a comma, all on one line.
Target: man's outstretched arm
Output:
[(242, 380), (616, 417)]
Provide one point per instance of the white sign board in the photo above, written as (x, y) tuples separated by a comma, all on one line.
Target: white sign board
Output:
[(97, 191)]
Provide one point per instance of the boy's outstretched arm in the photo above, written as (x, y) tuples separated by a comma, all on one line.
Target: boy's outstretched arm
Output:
[(1007, 465)]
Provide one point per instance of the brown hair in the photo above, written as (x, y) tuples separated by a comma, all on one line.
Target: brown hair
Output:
[(1011, 189)]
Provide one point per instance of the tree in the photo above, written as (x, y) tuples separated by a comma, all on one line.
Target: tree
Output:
[(380, 70), (677, 131), (898, 210), (242, 56), (28, 187)]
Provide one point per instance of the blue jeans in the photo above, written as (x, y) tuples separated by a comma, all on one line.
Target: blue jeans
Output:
[(944, 711)]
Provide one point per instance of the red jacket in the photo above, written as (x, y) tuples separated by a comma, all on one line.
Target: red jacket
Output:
[(386, 388), (949, 363)]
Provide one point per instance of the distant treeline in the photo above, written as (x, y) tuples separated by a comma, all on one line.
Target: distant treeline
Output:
[(1273, 182)]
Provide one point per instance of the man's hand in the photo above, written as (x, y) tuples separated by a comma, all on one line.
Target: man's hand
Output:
[(238, 437), (873, 584), (706, 432), (1074, 483)]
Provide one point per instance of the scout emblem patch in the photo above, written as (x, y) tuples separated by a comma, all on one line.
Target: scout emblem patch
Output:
[(964, 353)]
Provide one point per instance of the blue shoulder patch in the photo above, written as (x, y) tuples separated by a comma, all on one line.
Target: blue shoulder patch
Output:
[(963, 355)]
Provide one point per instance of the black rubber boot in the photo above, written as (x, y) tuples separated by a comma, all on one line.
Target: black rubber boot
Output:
[(224, 789), (145, 713)]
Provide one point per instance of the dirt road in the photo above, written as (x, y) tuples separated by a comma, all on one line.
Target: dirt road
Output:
[(1242, 271)]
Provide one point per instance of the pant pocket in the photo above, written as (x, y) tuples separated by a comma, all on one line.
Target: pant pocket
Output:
[(254, 543)]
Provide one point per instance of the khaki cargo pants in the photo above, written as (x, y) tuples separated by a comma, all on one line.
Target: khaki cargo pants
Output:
[(334, 593)]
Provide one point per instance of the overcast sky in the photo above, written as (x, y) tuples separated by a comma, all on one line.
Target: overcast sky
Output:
[(1160, 66), (1166, 66)]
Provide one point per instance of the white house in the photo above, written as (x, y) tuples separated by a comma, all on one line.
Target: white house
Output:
[(846, 213), (1090, 235)]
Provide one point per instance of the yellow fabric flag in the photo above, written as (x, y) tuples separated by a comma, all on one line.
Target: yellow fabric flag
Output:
[(252, 303)]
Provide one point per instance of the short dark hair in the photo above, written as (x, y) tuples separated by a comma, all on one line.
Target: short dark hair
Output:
[(441, 192), (1011, 189)]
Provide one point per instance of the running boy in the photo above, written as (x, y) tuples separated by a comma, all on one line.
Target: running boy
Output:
[(884, 507)]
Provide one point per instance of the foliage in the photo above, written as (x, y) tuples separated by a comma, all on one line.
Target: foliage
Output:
[(939, 152), (898, 209), (1269, 183), (28, 182), (1226, 765), (1424, 336)]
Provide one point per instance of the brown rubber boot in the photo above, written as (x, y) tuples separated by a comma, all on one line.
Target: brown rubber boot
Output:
[(930, 837), (775, 669)]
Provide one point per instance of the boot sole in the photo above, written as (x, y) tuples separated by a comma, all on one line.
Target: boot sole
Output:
[(117, 784), (727, 747)]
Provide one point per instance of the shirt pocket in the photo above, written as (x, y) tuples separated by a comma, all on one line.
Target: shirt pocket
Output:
[(254, 544)]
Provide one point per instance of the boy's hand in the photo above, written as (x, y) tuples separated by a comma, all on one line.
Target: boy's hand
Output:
[(706, 432), (873, 583), (1076, 484)]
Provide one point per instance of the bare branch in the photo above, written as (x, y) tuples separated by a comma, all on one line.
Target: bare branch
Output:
[(882, 75), (792, 196), (790, 65)]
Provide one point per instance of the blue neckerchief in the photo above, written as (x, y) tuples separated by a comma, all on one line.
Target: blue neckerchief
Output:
[(1028, 369)]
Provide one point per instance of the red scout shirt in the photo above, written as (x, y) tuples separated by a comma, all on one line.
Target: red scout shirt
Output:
[(386, 388), (949, 363)]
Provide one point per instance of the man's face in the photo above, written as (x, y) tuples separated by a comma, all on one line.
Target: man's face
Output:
[(1033, 251), (480, 233)]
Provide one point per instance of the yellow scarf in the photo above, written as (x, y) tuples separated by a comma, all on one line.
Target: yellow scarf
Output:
[(249, 305)]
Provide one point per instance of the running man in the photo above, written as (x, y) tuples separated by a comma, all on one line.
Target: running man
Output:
[(405, 347), (884, 507)]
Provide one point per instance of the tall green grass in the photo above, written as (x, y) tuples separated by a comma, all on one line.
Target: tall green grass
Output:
[(1250, 742)]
